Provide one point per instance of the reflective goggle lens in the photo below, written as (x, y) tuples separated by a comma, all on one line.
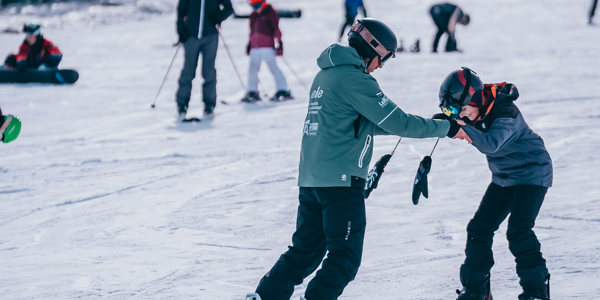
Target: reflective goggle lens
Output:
[(450, 111), (388, 56)]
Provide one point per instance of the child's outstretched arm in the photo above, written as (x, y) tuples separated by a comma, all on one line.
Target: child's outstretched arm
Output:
[(500, 135)]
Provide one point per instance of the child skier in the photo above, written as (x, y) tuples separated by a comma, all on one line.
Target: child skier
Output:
[(521, 174), (34, 52), (264, 44)]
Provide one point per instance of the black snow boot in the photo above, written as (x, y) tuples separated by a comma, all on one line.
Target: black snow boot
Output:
[(251, 97), (415, 48), (282, 96), (537, 292), (209, 111), (467, 294), (476, 286)]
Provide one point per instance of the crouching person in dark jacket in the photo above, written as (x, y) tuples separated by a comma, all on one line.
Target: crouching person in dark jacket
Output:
[(521, 174), (446, 16)]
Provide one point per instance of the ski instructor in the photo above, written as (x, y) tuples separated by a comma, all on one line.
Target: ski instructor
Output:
[(198, 23), (346, 109)]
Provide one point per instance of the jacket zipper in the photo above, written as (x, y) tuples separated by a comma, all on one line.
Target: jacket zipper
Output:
[(364, 151)]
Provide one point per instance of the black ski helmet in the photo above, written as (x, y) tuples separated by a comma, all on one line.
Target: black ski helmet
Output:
[(372, 38), (33, 29), (461, 87)]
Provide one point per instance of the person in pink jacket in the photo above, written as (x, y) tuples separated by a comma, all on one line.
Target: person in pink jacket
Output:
[(264, 44)]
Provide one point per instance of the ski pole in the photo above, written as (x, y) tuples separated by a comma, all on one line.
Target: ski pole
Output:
[(436, 143), (294, 73), (396, 146), (165, 78), (231, 59)]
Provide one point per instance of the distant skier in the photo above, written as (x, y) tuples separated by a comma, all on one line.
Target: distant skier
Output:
[(10, 127), (199, 37), (35, 51), (264, 44), (351, 7), (592, 11), (446, 16), (521, 174), (345, 110)]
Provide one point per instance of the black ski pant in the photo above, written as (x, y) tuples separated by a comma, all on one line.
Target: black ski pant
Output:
[(193, 46), (330, 220), (523, 204), (441, 23)]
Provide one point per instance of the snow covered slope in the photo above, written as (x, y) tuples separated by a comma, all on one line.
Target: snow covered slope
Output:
[(103, 197)]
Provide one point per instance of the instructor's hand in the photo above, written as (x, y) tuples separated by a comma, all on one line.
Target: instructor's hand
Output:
[(456, 131)]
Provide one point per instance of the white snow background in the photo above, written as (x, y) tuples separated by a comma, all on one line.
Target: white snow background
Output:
[(103, 197)]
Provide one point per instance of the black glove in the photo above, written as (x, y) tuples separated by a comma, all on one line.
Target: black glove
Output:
[(454, 127), (248, 49), (375, 174), (279, 49), (440, 116), (420, 184), (182, 32)]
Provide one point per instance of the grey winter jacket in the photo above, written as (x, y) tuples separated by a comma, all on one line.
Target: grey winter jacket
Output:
[(215, 12), (516, 155)]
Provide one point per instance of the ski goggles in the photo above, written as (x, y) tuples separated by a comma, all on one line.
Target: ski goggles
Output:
[(450, 111), (384, 54)]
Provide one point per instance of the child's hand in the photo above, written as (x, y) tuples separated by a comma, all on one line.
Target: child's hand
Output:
[(462, 135)]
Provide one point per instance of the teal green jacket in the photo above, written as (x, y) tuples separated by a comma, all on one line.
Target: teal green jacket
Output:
[(346, 109)]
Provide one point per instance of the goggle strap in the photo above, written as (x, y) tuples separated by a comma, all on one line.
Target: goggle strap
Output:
[(372, 41)]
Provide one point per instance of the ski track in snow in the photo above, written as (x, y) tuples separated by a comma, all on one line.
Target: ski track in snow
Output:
[(104, 197)]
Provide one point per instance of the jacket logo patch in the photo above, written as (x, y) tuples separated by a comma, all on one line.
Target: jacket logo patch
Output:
[(384, 100), (316, 94)]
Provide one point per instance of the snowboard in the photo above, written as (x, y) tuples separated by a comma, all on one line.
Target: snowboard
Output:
[(57, 76), (283, 13)]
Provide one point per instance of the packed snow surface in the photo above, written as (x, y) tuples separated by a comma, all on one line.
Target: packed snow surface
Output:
[(104, 197)]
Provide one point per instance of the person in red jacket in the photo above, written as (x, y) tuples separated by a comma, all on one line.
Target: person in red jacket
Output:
[(264, 44), (34, 52)]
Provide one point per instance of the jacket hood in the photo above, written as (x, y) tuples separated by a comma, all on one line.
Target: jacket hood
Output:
[(337, 55), (507, 92)]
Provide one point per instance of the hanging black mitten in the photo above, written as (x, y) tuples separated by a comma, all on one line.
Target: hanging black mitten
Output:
[(375, 174), (420, 184)]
